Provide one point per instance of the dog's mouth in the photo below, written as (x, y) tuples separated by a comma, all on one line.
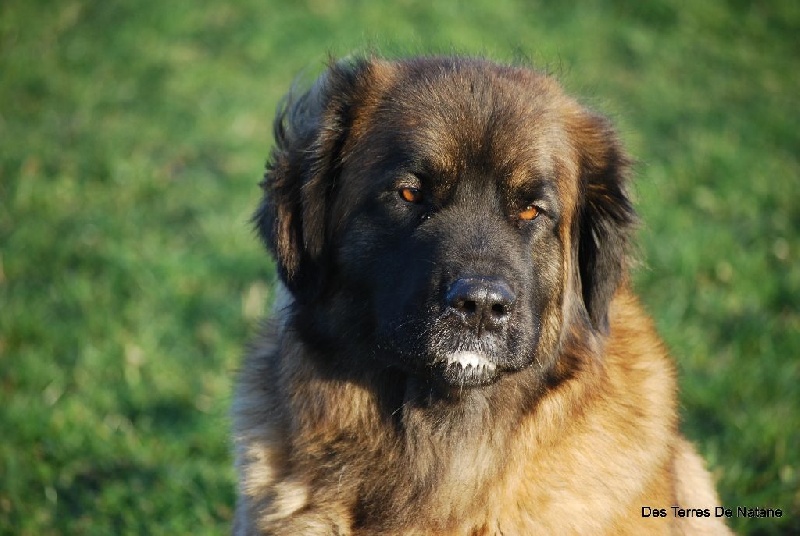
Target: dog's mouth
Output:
[(466, 369), (448, 355)]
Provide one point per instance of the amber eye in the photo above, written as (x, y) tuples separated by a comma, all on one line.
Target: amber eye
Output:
[(410, 195), (530, 213)]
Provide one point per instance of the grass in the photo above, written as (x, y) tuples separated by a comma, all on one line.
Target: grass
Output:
[(133, 135)]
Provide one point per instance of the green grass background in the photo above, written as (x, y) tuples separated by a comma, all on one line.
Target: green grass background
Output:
[(132, 136)]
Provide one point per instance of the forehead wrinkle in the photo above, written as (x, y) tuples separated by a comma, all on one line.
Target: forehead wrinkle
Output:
[(456, 116), (536, 160), (534, 146), (449, 110)]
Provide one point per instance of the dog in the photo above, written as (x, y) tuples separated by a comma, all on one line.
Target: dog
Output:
[(455, 347)]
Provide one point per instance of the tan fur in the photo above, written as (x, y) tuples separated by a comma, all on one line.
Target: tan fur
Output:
[(577, 443), (591, 455)]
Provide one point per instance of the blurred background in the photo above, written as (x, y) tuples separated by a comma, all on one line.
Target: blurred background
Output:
[(132, 138)]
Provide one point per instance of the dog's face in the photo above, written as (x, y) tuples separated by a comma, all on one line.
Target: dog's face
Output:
[(448, 217)]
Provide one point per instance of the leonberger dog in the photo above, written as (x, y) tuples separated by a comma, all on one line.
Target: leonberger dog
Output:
[(455, 347)]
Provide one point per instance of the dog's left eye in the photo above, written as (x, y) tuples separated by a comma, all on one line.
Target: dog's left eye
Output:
[(410, 195), (529, 213)]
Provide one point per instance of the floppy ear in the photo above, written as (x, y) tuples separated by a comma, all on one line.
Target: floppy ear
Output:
[(606, 217), (309, 130)]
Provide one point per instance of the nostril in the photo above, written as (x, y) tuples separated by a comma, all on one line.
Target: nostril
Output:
[(499, 309), (469, 306)]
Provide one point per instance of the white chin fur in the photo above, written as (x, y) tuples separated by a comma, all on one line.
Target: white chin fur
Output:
[(470, 359)]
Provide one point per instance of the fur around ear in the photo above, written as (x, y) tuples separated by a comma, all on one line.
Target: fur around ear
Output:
[(309, 131), (606, 217)]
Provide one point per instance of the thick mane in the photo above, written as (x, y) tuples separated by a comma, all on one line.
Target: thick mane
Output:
[(455, 347)]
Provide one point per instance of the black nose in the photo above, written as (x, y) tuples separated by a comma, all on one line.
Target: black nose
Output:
[(481, 302)]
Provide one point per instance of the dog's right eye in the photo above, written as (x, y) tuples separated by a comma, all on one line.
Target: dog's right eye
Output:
[(530, 213), (410, 195)]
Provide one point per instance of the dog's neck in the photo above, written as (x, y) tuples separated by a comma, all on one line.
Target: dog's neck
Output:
[(441, 450)]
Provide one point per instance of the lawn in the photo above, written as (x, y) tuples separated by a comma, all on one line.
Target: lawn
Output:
[(132, 138)]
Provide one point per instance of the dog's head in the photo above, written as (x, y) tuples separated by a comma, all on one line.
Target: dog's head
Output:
[(450, 217)]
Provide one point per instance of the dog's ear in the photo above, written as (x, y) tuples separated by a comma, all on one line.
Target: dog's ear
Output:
[(605, 215), (309, 130)]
